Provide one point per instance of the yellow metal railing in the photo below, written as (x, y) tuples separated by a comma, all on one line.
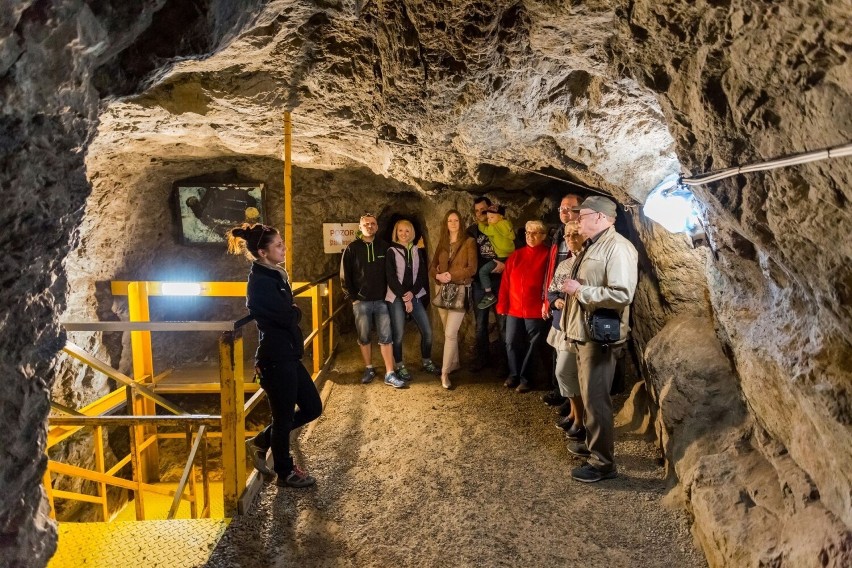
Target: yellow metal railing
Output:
[(141, 398)]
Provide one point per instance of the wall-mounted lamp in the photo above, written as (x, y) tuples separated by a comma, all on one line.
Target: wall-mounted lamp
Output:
[(323, 289), (180, 289), (672, 205)]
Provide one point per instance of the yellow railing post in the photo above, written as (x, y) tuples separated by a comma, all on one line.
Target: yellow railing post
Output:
[(316, 315), (135, 460), (48, 490), (330, 300), (100, 463), (288, 193), (143, 366), (233, 419)]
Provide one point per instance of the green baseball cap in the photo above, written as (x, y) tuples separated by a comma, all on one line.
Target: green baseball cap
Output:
[(598, 203)]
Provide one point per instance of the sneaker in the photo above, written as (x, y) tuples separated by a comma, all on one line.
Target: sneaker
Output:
[(565, 424), (553, 398), (523, 387), (565, 409), (368, 376), (297, 478), (429, 367), (394, 381), (576, 433), (487, 301), (511, 382), (590, 474), (403, 373), (579, 449), (258, 457)]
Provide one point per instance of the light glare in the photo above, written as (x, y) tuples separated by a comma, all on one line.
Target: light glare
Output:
[(671, 206), (181, 289)]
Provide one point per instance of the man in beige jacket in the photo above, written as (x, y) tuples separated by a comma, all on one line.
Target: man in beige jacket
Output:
[(605, 276)]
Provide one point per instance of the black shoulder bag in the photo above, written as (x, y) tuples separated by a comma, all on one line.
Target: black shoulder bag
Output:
[(604, 324)]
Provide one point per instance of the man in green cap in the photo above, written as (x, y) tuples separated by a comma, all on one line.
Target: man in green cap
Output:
[(604, 276)]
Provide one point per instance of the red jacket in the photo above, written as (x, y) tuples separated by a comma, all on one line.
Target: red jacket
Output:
[(523, 282)]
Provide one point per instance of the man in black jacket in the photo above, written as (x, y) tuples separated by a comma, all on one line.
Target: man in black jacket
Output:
[(364, 280)]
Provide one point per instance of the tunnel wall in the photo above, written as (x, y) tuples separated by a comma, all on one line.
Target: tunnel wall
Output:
[(777, 271)]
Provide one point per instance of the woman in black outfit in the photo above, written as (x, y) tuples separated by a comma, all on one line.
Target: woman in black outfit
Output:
[(278, 360)]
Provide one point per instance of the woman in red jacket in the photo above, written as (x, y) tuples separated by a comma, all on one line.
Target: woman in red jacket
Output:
[(521, 300)]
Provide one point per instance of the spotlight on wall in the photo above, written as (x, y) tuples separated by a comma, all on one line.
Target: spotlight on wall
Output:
[(672, 205), (180, 289)]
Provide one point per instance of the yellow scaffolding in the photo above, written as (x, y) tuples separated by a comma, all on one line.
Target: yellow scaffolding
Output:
[(141, 398)]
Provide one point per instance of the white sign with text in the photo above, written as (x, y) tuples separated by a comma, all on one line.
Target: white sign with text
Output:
[(335, 236)]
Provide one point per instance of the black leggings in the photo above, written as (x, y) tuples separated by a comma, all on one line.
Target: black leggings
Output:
[(287, 384)]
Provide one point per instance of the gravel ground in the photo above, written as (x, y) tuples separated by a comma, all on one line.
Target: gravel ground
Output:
[(476, 476)]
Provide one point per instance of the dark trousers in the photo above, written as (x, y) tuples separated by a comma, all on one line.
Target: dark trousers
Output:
[(287, 384), (522, 356), (481, 317), (595, 370)]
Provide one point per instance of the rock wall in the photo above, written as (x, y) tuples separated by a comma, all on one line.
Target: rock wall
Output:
[(780, 273), (418, 103), (51, 56)]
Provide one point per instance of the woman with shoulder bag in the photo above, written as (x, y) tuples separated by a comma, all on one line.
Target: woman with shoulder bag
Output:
[(454, 262)]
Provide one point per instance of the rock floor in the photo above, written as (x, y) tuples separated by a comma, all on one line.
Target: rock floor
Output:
[(476, 476)]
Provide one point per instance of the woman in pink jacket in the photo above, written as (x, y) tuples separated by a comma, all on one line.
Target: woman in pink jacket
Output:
[(521, 300)]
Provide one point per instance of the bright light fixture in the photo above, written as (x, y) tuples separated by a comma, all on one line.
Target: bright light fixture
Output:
[(672, 205), (180, 289)]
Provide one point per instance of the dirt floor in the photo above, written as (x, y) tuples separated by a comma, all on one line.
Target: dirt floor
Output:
[(475, 476)]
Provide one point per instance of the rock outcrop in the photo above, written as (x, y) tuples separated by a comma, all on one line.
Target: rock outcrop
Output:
[(412, 106)]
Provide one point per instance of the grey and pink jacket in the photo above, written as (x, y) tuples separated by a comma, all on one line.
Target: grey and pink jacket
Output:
[(407, 271)]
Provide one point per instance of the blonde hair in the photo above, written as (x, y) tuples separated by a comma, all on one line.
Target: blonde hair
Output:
[(539, 226), (402, 223)]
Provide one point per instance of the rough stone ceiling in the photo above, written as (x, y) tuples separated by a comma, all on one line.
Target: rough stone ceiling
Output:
[(525, 84)]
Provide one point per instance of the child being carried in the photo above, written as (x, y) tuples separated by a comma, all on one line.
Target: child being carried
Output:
[(500, 232)]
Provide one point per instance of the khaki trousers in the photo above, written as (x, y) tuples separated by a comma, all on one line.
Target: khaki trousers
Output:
[(595, 371)]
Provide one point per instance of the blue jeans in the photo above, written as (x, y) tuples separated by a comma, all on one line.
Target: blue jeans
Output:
[(368, 312), (421, 319), (516, 329), (481, 316)]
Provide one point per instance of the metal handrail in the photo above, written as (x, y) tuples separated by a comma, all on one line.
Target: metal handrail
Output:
[(187, 471), (95, 363), (313, 283)]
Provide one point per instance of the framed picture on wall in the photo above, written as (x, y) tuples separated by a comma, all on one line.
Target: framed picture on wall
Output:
[(207, 211)]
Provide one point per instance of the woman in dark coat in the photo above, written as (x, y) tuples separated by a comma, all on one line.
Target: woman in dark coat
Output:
[(278, 360)]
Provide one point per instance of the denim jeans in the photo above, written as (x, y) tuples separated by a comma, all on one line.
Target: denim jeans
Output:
[(421, 319), (367, 313), (287, 384), (520, 359), (482, 316)]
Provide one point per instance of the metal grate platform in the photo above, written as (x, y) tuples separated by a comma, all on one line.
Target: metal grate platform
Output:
[(180, 543)]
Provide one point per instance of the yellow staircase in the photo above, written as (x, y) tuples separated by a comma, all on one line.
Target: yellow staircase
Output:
[(179, 543), (158, 542)]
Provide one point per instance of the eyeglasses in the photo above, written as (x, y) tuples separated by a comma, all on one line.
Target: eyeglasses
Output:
[(533, 233), (565, 209), (581, 215)]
